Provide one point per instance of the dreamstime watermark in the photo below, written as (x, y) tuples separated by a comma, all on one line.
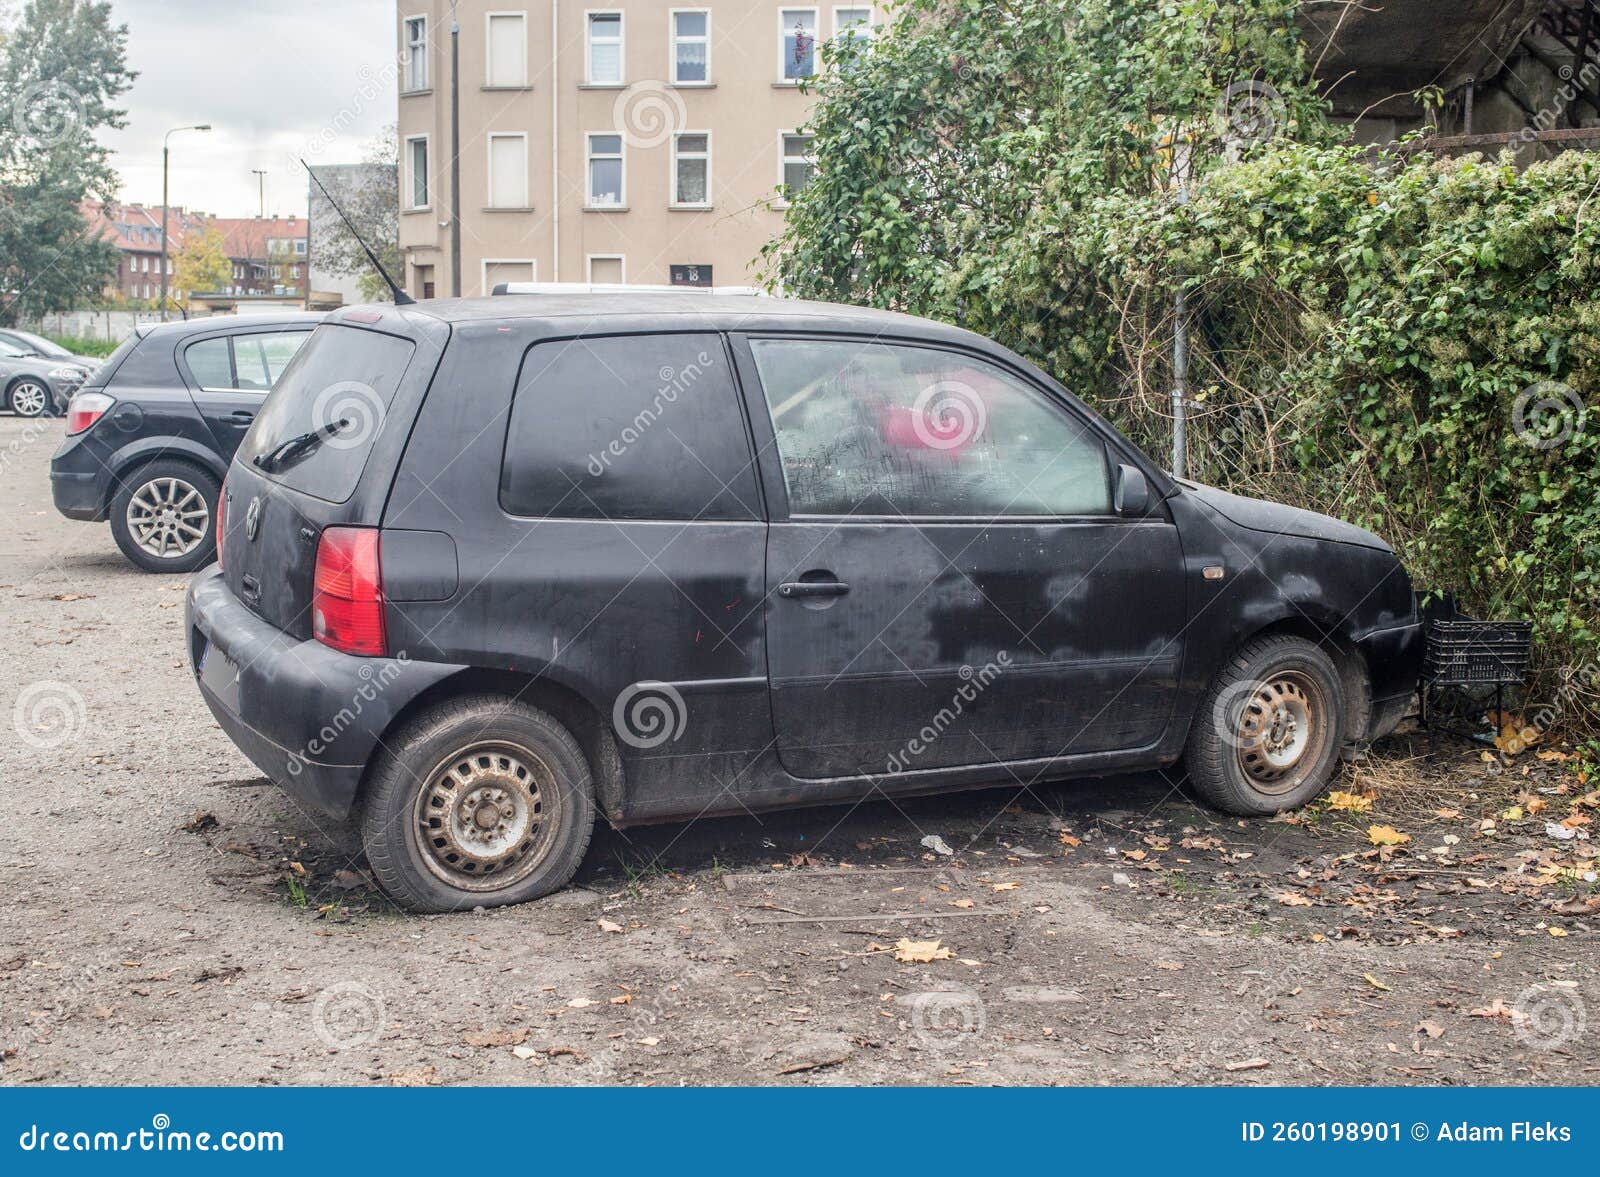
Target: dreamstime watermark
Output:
[(1547, 1017), (1548, 414), (348, 414), (47, 112), (372, 88), (649, 714), (973, 684), (1585, 679), (1252, 113), (347, 1015), (159, 1137), (376, 677), (49, 715), (674, 383), (649, 113), (947, 1019), (1574, 85), (17, 446), (948, 414)]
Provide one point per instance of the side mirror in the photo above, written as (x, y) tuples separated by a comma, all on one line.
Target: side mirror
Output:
[(1133, 492)]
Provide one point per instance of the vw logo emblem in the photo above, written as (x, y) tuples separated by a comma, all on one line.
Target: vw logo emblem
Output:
[(252, 520)]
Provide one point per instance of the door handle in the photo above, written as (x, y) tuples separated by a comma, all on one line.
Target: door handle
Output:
[(241, 415), (813, 588)]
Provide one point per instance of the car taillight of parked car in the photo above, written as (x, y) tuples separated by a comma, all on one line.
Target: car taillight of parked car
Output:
[(347, 597), (85, 409)]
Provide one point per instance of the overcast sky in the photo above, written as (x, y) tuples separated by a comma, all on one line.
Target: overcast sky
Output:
[(276, 79)]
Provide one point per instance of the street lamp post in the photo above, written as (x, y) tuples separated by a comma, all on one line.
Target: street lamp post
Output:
[(165, 211)]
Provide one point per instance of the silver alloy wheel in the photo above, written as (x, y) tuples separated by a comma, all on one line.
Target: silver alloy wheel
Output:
[(29, 398), (1281, 730), (487, 816), (168, 518)]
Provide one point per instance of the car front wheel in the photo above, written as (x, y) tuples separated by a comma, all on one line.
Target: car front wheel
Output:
[(29, 398), (480, 801), (1268, 734), (163, 517)]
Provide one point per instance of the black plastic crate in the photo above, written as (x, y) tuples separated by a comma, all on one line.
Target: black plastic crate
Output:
[(1477, 653)]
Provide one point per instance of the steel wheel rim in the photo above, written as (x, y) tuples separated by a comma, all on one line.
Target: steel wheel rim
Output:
[(486, 817), (1280, 731), (168, 518), (28, 399)]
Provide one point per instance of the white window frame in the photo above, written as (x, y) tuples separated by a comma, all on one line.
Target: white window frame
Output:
[(489, 18), (483, 269), (672, 176), (866, 29), (410, 82), (488, 172), (588, 170), (783, 159), (589, 261), (672, 45), (410, 172), (588, 46), (816, 28)]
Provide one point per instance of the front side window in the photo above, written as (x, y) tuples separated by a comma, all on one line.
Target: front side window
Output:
[(691, 168), (798, 166), (417, 171), (888, 429), (416, 52), (605, 48), (798, 43), (691, 46), (628, 427), (605, 171), (508, 50)]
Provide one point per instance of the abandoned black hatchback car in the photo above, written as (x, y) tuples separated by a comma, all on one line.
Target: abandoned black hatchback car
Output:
[(491, 569)]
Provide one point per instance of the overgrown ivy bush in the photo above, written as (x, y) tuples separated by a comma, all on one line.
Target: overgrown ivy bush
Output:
[(1364, 326)]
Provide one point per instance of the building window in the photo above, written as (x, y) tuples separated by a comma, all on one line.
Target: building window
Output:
[(796, 165), (300, 248), (508, 49), (605, 48), (504, 271), (852, 24), (690, 275), (417, 171), (691, 45), (605, 171), (797, 43), (508, 171), (416, 49), (607, 269), (691, 169)]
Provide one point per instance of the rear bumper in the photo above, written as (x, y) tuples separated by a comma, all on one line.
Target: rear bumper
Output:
[(78, 496), (307, 716)]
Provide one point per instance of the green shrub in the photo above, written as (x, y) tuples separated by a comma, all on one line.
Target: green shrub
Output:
[(83, 346)]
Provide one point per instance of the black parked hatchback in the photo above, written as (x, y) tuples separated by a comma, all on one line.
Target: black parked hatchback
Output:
[(151, 432), (491, 568)]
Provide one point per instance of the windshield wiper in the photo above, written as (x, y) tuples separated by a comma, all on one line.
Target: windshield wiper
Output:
[(296, 447)]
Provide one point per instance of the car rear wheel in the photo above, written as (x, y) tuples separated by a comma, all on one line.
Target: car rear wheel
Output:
[(29, 398), (163, 517), (478, 802), (1268, 734)]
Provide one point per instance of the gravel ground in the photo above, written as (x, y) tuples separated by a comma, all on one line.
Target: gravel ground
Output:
[(166, 916)]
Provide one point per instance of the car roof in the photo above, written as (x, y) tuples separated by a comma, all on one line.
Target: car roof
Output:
[(712, 311), (225, 322)]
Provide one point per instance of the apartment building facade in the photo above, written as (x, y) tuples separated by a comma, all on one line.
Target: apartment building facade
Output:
[(639, 141)]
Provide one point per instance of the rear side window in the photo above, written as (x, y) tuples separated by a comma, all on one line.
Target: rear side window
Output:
[(628, 427), (317, 427)]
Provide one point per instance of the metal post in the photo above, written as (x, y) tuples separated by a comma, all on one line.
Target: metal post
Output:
[(455, 153), (1466, 112), (164, 212), (1180, 382)]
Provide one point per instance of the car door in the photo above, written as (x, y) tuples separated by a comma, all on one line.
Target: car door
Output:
[(230, 375), (949, 584)]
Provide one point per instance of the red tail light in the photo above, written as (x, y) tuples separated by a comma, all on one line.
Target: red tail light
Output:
[(85, 409), (347, 597), (222, 518)]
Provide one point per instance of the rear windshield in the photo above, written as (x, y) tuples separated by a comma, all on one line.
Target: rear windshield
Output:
[(319, 424)]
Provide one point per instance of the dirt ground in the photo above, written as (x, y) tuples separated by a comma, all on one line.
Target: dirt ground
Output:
[(166, 916)]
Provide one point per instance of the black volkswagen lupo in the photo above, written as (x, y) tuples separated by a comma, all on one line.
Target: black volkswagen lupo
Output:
[(493, 568)]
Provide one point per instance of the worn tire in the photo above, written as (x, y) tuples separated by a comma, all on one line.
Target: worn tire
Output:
[(201, 480), (1267, 677), (400, 793)]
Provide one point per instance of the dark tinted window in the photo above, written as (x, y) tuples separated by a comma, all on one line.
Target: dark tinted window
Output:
[(317, 427), (628, 427), (886, 429)]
